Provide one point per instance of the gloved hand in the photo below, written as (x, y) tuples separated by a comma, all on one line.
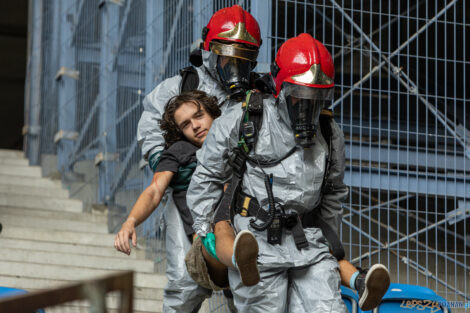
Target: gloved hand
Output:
[(209, 244)]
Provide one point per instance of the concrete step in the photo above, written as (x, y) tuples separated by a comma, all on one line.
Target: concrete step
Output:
[(53, 192), (84, 217), (5, 153), (90, 244), (71, 273), (29, 181), (51, 223), (25, 171), (49, 241), (77, 260), (57, 236), (145, 300), (26, 201), (8, 243), (84, 191), (35, 284), (13, 161), (78, 309), (112, 305)]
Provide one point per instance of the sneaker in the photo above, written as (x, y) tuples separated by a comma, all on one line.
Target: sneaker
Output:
[(245, 251), (371, 285)]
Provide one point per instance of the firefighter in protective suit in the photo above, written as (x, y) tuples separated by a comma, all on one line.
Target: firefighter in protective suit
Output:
[(279, 189), (230, 46)]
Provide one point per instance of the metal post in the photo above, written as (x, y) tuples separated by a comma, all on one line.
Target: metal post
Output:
[(169, 43), (153, 57), (32, 128), (122, 28), (108, 98), (153, 42), (262, 12), (27, 85), (202, 11), (66, 86)]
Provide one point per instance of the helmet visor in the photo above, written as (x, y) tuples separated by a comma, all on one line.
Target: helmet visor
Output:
[(305, 92), (234, 50)]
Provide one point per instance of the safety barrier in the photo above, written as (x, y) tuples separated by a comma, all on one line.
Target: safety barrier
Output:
[(97, 295)]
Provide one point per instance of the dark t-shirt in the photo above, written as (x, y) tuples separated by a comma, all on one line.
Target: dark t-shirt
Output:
[(178, 155)]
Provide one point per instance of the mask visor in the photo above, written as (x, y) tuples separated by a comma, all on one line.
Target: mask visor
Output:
[(233, 72), (304, 115)]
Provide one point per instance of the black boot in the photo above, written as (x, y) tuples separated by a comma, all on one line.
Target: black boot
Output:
[(371, 286)]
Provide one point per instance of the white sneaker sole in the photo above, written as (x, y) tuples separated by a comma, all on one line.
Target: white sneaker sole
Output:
[(377, 282), (245, 249)]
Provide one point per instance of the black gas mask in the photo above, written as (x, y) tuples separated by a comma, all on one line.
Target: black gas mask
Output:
[(234, 73), (304, 105), (234, 65)]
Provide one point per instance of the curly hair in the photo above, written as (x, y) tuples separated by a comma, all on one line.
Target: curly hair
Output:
[(171, 132)]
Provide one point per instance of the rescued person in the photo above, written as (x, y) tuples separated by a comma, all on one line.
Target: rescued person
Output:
[(185, 123)]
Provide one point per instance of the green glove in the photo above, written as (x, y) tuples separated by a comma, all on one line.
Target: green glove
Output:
[(209, 244)]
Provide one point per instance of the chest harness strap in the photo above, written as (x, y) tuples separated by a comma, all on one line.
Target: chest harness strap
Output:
[(234, 201)]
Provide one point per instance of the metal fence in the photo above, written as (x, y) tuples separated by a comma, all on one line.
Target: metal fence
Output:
[(401, 100)]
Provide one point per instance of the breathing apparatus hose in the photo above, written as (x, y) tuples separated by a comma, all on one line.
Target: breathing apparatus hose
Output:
[(272, 209)]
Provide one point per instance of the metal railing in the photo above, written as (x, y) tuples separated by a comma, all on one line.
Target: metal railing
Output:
[(86, 296)]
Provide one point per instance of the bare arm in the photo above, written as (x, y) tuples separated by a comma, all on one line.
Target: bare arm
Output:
[(148, 200)]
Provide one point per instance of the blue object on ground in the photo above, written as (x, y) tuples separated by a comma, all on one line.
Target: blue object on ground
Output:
[(350, 299), (404, 298), (8, 292)]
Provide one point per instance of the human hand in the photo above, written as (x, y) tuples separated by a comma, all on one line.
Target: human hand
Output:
[(121, 242)]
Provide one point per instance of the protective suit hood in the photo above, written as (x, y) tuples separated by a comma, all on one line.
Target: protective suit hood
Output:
[(209, 61)]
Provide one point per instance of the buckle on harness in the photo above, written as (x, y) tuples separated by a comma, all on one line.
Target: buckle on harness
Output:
[(246, 204), (238, 163), (290, 220), (275, 229), (249, 133)]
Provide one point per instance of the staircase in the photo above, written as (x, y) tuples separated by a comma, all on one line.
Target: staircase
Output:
[(48, 240)]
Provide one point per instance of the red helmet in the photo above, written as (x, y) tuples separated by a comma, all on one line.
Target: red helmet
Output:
[(303, 61), (233, 25)]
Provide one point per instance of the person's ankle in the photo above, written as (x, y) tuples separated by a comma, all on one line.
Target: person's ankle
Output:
[(352, 280)]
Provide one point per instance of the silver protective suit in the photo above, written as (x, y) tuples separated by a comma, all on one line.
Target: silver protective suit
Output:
[(304, 280), (181, 294)]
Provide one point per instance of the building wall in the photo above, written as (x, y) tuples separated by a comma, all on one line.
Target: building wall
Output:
[(13, 39)]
